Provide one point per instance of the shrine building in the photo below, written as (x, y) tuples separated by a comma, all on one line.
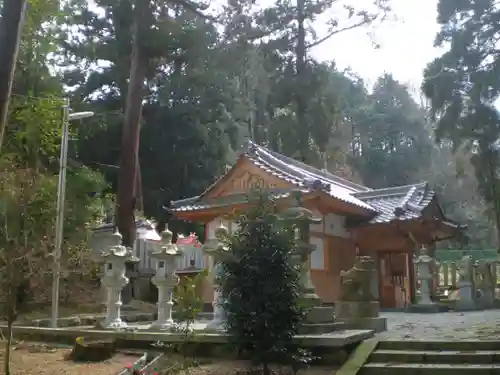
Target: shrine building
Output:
[(387, 224)]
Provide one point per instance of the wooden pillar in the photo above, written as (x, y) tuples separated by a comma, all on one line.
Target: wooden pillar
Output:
[(453, 275), (411, 277), (493, 269), (446, 274)]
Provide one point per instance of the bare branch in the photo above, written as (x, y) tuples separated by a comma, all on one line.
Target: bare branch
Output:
[(335, 32), (192, 7)]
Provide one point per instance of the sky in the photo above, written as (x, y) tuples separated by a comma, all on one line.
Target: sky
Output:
[(406, 45)]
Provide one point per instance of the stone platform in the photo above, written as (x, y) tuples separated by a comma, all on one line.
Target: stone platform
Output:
[(134, 337), (427, 308)]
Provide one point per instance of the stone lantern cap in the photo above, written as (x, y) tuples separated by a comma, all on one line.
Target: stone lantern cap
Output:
[(117, 251), (167, 249), (297, 212), (424, 256), (218, 246)]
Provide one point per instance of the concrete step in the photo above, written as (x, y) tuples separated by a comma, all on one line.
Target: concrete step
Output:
[(428, 369), (442, 357), (440, 345)]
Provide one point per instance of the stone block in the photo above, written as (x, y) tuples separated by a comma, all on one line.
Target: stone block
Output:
[(357, 309), (320, 314)]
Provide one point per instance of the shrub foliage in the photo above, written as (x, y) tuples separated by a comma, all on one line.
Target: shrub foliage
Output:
[(261, 283)]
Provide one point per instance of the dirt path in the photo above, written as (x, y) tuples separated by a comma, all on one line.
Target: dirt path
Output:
[(39, 360)]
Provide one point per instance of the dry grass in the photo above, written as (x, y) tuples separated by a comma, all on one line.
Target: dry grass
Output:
[(42, 360), (64, 311), (241, 367)]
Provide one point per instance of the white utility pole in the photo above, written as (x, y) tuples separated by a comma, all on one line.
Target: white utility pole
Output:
[(61, 195)]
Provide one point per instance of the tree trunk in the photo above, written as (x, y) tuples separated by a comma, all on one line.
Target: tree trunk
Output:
[(8, 348), (129, 163), (138, 188), (11, 315), (127, 179), (494, 194), (300, 94), (11, 26)]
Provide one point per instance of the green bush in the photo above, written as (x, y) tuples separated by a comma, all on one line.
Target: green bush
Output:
[(262, 287)]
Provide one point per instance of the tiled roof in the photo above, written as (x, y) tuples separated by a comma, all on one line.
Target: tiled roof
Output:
[(139, 223), (303, 175), (396, 203), (198, 203)]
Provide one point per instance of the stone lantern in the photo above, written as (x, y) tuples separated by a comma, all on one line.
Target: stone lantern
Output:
[(165, 279), (302, 218), (218, 250), (114, 279), (466, 285), (424, 266)]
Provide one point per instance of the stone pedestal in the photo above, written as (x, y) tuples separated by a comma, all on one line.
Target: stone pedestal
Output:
[(165, 280), (357, 308), (359, 315), (219, 315), (217, 250), (320, 319)]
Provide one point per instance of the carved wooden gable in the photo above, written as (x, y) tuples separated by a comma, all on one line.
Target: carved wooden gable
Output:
[(244, 182), (245, 179)]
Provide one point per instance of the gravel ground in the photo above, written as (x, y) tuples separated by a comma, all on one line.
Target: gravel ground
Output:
[(451, 325)]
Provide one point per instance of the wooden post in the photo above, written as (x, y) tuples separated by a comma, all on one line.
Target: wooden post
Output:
[(493, 266), (453, 275), (446, 274)]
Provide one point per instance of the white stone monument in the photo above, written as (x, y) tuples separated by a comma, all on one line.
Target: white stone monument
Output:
[(217, 249), (465, 284), (425, 265), (165, 280), (114, 279)]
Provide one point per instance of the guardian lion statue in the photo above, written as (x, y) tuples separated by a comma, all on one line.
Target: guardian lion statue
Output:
[(355, 283)]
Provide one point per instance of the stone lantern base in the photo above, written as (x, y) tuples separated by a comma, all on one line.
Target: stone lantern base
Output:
[(114, 324), (164, 326), (318, 320), (359, 315), (215, 325)]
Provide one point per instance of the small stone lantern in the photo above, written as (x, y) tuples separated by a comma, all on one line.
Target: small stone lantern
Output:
[(218, 250), (302, 218), (165, 279), (114, 279), (466, 285), (425, 265)]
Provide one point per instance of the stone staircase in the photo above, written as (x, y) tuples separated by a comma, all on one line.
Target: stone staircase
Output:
[(433, 358)]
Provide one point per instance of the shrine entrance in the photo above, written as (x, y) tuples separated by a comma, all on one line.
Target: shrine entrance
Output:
[(395, 269)]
